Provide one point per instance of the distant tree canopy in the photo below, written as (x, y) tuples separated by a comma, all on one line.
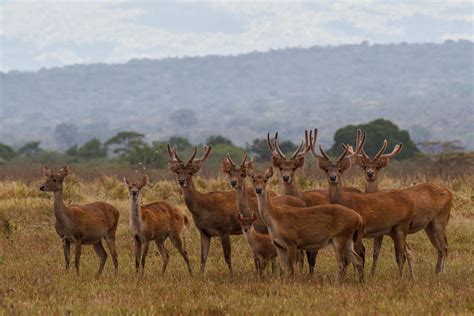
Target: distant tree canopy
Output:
[(30, 149), (92, 149), (218, 140), (6, 152), (377, 131), (181, 142), (259, 147), (124, 142)]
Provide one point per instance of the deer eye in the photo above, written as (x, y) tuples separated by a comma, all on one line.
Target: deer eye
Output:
[(340, 170), (242, 174), (55, 180), (281, 168), (294, 169)]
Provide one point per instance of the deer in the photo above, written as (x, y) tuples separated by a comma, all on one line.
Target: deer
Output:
[(156, 222), (85, 224), (388, 212), (262, 247), (432, 203), (309, 228), (214, 213)]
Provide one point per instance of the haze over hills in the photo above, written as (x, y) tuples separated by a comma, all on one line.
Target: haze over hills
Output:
[(425, 88)]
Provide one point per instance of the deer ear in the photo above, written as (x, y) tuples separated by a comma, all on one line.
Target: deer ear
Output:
[(254, 217), (64, 171), (251, 164), (47, 172), (358, 161), (240, 217), (144, 181), (383, 162), (345, 164), (225, 166), (269, 172), (323, 164), (126, 182), (276, 162), (299, 163)]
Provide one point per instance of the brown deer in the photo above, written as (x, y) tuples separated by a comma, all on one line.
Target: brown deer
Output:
[(214, 213), (432, 203), (155, 222), (309, 228), (83, 224), (261, 245), (387, 212)]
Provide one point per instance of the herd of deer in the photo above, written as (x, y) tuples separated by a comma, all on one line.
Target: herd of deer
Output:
[(283, 227)]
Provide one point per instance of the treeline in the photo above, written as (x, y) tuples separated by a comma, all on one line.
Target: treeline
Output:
[(131, 147)]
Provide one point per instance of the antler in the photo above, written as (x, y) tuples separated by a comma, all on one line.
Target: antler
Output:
[(274, 149), (205, 155), (244, 160), (359, 143), (231, 162), (394, 152), (312, 145), (303, 150), (172, 153), (382, 150)]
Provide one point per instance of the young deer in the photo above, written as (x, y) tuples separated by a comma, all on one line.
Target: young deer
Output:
[(432, 203), (262, 246), (309, 228), (214, 213), (155, 222), (387, 212), (83, 224)]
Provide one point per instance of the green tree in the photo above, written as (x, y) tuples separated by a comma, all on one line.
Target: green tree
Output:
[(92, 149), (377, 131), (259, 147), (6, 152), (30, 149), (181, 142), (148, 155), (123, 142), (215, 140)]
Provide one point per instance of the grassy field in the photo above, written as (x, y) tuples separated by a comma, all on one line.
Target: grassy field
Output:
[(33, 278)]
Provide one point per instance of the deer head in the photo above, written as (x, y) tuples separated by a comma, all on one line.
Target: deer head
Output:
[(246, 222), (288, 166), (54, 182), (260, 179), (134, 188), (237, 173), (373, 165), (335, 168), (185, 171)]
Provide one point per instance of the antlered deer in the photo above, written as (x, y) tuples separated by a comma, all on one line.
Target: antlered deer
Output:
[(432, 204), (262, 246), (387, 212), (155, 222), (83, 224), (309, 228), (214, 213)]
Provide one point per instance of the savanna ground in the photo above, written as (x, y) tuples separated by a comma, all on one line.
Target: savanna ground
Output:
[(33, 278)]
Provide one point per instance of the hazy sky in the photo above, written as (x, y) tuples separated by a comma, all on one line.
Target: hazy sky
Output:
[(37, 34)]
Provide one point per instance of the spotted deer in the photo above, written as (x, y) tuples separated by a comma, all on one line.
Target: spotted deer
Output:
[(85, 224), (309, 228), (262, 247), (432, 203), (214, 213), (388, 212), (156, 222)]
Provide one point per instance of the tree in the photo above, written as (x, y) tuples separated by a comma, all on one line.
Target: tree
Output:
[(6, 152), (123, 142), (30, 149), (148, 155), (377, 131), (259, 147), (92, 149), (218, 140), (181, 142)]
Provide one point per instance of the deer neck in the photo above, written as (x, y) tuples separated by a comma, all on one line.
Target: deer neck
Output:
[(290, 188), (191, 196), (242, 200), (335, 193), (135, 214), (265, 209), (371, 186), (59, 208)]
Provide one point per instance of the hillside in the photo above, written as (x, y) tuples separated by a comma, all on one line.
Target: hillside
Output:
[(425, 88)]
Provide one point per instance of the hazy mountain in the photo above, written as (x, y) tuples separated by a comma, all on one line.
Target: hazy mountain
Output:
[(425, 88)]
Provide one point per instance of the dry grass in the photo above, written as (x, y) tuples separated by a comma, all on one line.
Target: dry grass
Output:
[(33, 279)]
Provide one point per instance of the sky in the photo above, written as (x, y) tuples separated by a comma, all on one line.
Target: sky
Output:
[(37, 34)]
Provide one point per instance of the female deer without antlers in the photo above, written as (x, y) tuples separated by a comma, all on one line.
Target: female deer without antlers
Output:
[(385, 213), (85, 224), (214, 213), (155, 222)]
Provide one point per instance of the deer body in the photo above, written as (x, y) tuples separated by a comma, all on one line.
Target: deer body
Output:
[(85, 224), (155, 222)]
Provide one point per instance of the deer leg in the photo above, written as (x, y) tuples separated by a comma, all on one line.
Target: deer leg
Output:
[(282, 258), (355, 259), (399, 242), (263, 266), (100, 251), (67, 252), (439, 230), (205, 244), (408, 255), (377, 246), (339, 254), (160, 244), (177, 241), (273, 261), (291, 258), (300, 259), (311, 257), (110, 241), (77, 258), (257, 268), (144, 254), (225, 240), (138, 252)]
